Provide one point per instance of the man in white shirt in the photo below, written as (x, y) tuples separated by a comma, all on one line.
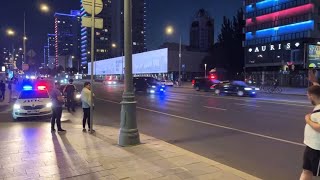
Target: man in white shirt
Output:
[(311, 157)]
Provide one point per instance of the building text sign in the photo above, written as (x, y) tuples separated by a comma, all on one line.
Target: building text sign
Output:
[(273, 47)]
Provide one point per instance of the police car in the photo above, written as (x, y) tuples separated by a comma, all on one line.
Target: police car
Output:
[(32, 102)]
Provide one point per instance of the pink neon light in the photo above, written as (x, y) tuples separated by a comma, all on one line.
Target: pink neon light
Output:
[(281, 14)]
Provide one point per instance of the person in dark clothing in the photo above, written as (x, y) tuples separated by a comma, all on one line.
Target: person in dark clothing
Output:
[(2, 89), (70, 90), (57, 103)]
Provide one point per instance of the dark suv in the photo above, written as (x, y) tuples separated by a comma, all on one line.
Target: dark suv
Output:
[(148, 84), (205, 84)]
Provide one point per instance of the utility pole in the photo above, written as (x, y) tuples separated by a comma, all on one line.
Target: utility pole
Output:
[(129, 134), (179, 79), (92, 60)]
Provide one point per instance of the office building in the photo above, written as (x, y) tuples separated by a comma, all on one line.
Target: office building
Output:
[(67, 39), (278, 35), (109, 41), (202, 31)]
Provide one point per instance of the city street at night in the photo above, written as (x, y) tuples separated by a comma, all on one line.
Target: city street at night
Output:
[(261, 136)]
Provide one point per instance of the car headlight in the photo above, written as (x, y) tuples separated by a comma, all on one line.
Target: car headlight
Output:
[(248, 89), (152, 91), (78, 96), (16, 106), (257, 89), (153, 86), (49, 105)]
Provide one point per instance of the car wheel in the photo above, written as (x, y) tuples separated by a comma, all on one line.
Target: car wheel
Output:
[(240, 93), (197, 88), (217, 91)]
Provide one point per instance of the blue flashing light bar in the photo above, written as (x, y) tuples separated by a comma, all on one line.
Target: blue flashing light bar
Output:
[(281, 30), (265, 4), (27, 88)]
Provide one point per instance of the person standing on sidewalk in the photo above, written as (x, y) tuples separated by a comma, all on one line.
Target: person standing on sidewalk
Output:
[(10, 90), (311, 157), (57, 103), (86, 104), (70, 90), (3, 90)]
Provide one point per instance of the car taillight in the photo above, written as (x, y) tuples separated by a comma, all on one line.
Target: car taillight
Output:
[(212, 77), (193, 82)]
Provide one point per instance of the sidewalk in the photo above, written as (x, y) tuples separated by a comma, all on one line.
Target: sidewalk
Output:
[(28, 150)]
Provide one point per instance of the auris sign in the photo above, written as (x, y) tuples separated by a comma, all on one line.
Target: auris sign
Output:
[(273, 47)]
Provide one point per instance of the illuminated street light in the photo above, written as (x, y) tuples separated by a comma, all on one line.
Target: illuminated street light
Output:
[(114, 45), (169, 30), (10, 32), (44, 8), (72, 57)]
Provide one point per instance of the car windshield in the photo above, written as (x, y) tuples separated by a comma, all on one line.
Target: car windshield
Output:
[(239, 83), (33, 94)]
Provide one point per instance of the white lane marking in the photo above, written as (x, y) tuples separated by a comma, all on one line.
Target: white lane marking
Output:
[(215, 125), (216, 108), (240, 104), (281, 102)]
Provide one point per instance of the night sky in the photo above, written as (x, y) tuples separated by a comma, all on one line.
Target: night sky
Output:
[(178, 13)]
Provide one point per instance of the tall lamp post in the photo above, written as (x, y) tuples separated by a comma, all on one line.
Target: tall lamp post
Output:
[(11, 33), (129, 134), (43, 8), (169, 31)]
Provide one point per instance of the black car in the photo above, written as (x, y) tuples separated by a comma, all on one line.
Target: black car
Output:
[(148, 84), (205, 84), (239, 88)]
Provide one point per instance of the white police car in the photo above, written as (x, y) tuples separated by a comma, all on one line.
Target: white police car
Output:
[(32, 102)]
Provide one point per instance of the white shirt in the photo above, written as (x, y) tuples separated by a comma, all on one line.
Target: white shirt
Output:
[(311, 136)]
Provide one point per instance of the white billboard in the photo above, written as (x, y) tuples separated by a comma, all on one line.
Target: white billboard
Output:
[(143, 63)]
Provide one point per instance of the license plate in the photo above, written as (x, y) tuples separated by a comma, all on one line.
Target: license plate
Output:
[(33, 112)]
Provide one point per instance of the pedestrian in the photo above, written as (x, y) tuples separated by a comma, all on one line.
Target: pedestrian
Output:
[(86, 104), (3, 90), (10, 90), (57, 103), (311, 157), (70, 90)]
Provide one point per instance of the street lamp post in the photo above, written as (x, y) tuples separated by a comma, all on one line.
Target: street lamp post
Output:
[(92, 60), (129, 134), (205, 70)]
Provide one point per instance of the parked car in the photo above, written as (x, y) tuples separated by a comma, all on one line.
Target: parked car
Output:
[(239, 88), (205, 84), (148, 84)]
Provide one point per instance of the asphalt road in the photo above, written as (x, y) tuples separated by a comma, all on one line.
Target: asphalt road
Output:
[(261, 136)]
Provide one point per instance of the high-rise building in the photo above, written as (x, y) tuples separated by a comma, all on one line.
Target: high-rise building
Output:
[(278, 34), (109, 41), (51, 50), (202, 31), (67, 39)]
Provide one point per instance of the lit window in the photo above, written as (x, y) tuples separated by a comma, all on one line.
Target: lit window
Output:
[(134, 43)]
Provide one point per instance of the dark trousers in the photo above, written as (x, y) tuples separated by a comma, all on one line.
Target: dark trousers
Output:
[(86, 117), (3, 94), (70, 103), (56, 117)]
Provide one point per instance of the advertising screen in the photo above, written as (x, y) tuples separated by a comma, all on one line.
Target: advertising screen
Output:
[(142, 63), (313, 60)]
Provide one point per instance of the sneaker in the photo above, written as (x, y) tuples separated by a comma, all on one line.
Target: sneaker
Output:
[(61, 130), (91, 131), (53, 130), (84, 130)]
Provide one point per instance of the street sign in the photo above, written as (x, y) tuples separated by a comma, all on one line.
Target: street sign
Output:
[(87, 6), (31, 53), (86, 22)]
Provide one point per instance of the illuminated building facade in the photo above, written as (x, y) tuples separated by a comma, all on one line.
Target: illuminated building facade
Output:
[(109, 41), (277, 34), (67, 39)]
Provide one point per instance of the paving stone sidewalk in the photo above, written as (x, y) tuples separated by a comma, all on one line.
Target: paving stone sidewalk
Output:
[(28, 150)]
